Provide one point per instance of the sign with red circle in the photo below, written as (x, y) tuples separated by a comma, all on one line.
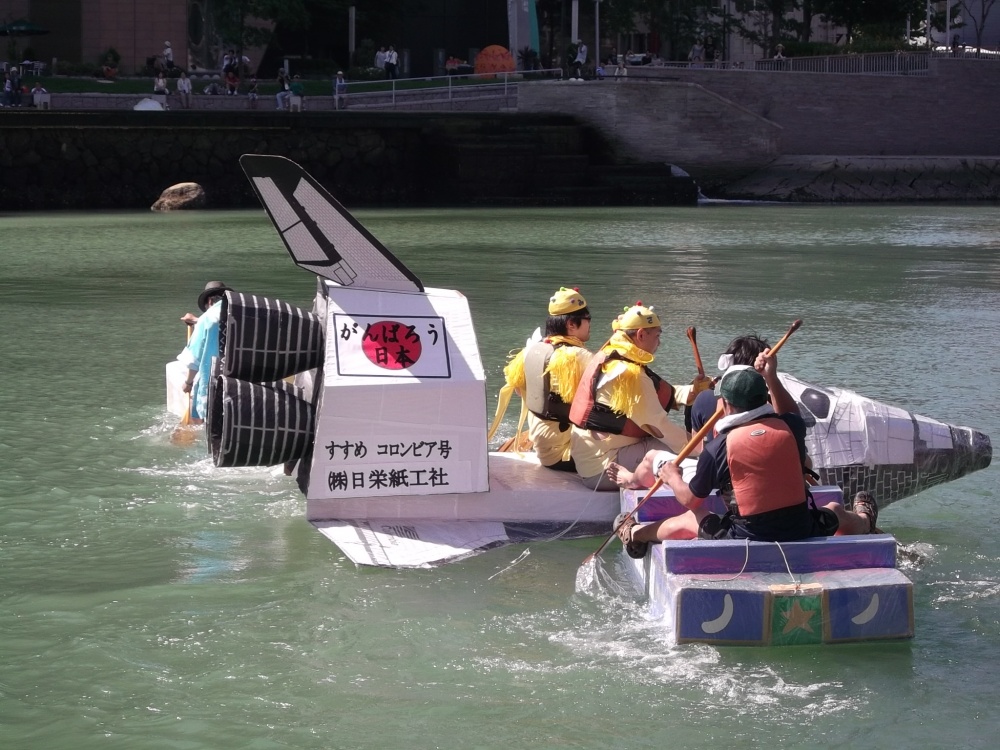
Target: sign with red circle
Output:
[(391, 345)]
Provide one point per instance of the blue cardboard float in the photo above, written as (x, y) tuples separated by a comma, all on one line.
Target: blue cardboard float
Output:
[(735, 592)]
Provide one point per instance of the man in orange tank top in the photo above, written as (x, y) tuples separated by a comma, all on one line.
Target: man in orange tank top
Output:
[(757, 462)]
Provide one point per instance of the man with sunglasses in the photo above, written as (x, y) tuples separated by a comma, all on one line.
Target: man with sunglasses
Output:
[(546, 373)]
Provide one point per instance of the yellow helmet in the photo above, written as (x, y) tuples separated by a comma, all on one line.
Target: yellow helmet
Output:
[(566, 301)]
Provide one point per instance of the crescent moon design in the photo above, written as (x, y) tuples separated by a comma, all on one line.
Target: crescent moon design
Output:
[(870, 611), (720, 622)]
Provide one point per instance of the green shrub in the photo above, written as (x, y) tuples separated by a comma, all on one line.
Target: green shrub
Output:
[(110, 54), (811, 49), (68, 68), (364, 54), (868, 43), (315, 68), (365, 73)]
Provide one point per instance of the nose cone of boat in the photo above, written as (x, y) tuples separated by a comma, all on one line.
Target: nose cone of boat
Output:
[(971, 451), (981, 449)]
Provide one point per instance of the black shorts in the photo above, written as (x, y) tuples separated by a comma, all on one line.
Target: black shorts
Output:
[(784, 525)]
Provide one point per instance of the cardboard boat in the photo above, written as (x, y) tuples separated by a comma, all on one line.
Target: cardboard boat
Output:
[(385, 423), (837, 589)]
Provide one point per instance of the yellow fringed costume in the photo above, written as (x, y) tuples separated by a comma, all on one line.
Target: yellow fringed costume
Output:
[(624, 387), (565, 359)]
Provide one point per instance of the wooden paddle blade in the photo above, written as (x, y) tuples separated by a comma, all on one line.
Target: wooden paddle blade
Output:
[(791, 329), (184, 434), (516, 444), (692, 336)]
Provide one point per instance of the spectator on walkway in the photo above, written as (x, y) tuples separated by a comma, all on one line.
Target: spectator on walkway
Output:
[(252, 92), (779, 52), (110, 68), (283, 91), (580, 60), (297, 88), (380, 59), (391, 63), (168, 56), (184, 90), (15, 87), (340, 90), (232, 83), (697, 54), (160, 84), (710, 51), (621, 69)]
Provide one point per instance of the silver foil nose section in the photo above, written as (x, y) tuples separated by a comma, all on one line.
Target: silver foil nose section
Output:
[(981, 449)]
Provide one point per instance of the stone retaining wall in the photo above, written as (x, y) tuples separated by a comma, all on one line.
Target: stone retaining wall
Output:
[(666, 121), (754, 134), (845, 179), (953, 110), (125, 159)]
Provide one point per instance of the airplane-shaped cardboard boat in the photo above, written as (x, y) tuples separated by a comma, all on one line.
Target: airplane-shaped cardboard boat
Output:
[(385, 422)]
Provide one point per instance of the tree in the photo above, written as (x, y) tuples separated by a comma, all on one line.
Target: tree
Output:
[(252, 23), (764, 22), (982, 8), (853, 14), (677, 22)]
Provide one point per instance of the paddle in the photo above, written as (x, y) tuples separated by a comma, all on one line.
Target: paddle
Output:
[(685, 452), (516, 444), (694, 346), (781, 342), (185, 433), (691, 334)]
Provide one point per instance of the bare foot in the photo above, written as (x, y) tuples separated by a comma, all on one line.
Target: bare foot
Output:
[(621, 476)]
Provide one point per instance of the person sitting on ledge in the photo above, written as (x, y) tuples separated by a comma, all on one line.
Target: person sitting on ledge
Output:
[(232, 83), (160, 84), (110, 68)]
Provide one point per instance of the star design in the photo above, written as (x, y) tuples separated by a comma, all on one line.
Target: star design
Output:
[(797, 618)]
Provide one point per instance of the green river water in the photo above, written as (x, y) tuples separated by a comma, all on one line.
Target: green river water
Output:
[(149, 600)]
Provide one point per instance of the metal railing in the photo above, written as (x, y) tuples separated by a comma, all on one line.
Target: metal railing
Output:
[(449, 90), (875, 63)]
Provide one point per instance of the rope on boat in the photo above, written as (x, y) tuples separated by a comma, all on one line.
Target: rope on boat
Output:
[(562, 533), (746, 561), (519, 558)]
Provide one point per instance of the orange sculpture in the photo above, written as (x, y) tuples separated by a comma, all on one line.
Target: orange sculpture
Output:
[(494, 59)]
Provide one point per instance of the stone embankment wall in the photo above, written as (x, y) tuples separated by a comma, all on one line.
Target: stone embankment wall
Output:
[(125, 159), (844, 179), (669, 121), (803, 136), (953, 110)]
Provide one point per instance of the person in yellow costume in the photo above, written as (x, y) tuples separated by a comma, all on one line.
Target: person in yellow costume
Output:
[(620, 408), (545, 375)]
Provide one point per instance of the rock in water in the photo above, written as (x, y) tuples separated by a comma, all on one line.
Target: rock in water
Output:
[(181, 196)]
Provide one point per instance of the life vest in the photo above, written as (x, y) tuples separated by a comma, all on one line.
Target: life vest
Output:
[(765, 467), (588, 413), (541, 400)]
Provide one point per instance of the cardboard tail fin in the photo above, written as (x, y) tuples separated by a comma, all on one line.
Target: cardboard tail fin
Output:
[(319, 233)]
